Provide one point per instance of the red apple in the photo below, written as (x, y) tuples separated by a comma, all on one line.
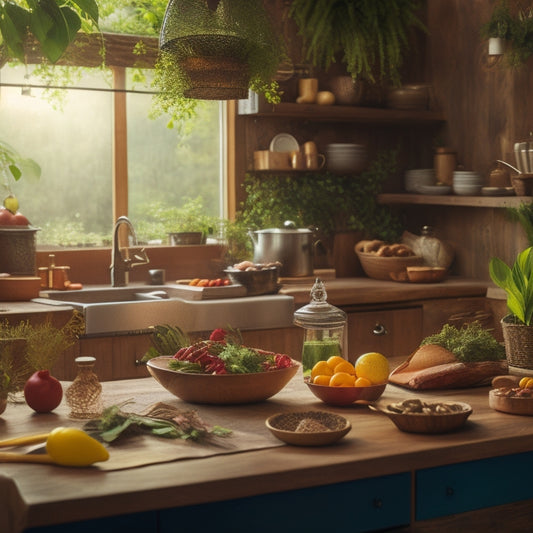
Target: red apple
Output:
[(7, 218), (20, 219)]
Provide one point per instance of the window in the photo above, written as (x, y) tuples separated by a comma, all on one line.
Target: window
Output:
[(72, 136)]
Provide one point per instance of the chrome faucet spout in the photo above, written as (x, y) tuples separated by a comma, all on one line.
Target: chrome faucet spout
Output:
[(121, 264)]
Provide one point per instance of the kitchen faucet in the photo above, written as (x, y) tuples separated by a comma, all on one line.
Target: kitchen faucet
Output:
[(121, 264)]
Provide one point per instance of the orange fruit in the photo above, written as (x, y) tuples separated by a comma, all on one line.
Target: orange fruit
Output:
[(321, 369), (342, 379), (321, 379), (372, 366), (345, 366), (362, 382), (334, 360)]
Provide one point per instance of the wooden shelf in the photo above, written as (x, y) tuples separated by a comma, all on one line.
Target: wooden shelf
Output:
[(451, 200), (257, 107)]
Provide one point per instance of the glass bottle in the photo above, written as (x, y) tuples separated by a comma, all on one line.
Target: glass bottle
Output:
[(325, 329), (84, 395)]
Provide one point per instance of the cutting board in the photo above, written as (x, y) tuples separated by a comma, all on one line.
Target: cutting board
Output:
[(190, 292)]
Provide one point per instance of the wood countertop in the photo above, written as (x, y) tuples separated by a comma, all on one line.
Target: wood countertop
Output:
[(341, 292), (374, 447), (361, 291)]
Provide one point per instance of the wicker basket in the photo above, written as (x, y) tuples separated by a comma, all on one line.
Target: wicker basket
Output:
[(518, 339), (377, 267)]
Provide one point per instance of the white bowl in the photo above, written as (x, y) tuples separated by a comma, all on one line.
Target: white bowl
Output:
[(467, 190)]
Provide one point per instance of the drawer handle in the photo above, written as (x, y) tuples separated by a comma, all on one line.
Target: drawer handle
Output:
[(139, 363), (377, 503), (449, 491), (380, 329)]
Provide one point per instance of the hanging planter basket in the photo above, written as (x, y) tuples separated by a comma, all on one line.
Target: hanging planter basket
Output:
[(215, 54)]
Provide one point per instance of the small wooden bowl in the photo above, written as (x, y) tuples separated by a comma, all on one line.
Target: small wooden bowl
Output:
[(427, 423), (19, 288), (284, 427), (341, 396), (377, 267), (511, 405), (423, 274)]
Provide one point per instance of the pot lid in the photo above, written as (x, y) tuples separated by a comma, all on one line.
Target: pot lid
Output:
[(319, 313), (288, 227)]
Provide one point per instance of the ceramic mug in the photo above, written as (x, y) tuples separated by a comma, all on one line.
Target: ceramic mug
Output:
[(315, 161), (310, 148), (307, 89), (297, 160)]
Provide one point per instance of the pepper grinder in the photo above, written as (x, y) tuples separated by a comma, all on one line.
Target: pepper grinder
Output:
[(325, 329)]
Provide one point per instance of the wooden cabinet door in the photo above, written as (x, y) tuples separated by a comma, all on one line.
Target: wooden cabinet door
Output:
[(391, 332)]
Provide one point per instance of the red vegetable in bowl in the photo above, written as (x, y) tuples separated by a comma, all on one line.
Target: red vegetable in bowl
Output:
[(43, 392)]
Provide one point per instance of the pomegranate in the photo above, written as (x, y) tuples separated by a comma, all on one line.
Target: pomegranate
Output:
[(43, 392)]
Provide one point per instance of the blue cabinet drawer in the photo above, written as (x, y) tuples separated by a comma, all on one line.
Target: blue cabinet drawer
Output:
[(363, 505), (474, 485)]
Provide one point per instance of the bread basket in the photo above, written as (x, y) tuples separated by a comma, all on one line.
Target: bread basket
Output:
[(380, 267)]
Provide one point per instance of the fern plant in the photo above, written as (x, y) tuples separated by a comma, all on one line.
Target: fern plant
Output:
[(371, 35)]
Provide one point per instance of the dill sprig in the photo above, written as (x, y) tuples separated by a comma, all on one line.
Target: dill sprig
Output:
[(470, 343)]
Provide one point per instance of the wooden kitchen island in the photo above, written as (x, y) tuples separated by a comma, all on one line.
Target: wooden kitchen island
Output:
[(476, 479)]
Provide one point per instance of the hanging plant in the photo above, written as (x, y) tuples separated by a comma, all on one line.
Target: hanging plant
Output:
[(216, 51), (515, 29), (371, 36)]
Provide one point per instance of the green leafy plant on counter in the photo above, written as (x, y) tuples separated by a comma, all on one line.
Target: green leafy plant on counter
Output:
[(160, 420), (517, 282), (470, 343), (327, 201), (371, 36), (44, 342)]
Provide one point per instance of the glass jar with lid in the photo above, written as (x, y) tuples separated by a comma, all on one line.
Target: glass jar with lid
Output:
[(325, 329)]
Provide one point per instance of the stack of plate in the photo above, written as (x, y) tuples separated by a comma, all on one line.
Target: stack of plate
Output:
[(417, 177), (346, 157), (467, 183)]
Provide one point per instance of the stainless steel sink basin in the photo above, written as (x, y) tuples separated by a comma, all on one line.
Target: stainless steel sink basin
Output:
[(111, 310)]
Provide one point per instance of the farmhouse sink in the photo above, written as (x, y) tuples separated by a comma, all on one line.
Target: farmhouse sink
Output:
[(122, 310)]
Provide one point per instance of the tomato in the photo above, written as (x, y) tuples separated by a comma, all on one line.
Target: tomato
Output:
[(20, 219), (227, 282), (43, 392), (212, 283), (203, 283), (7, 218)]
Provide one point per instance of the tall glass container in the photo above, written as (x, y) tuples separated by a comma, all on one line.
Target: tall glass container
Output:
[(325, 329)]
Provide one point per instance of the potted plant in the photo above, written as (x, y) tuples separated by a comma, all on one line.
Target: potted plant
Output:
[(370, 37), (517, 282)]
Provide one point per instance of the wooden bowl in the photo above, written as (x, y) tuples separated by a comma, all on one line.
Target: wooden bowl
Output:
[(377, 267), (220, 388), (425, 274), (427, 423), (513, 405), (289, 427), (19, 288), (341, 396)]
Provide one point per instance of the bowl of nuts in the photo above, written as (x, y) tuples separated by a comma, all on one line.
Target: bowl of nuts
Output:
[(380, 260), (258, 278), (418, 416)]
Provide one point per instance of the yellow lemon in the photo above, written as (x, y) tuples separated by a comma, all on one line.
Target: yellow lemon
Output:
[(372, 366), (321, 369)]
